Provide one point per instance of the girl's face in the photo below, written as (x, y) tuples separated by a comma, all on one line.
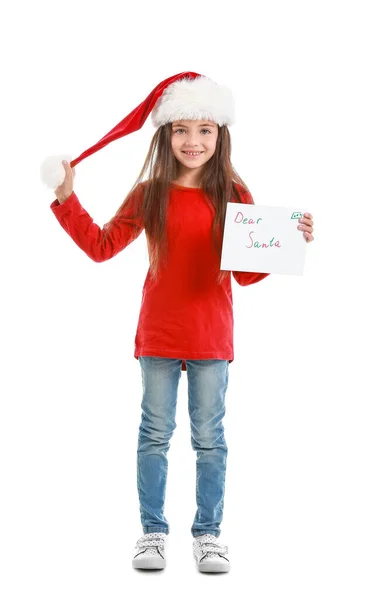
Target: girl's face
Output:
[(197, 137)]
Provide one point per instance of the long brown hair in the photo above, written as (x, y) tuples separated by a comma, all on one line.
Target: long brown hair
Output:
[(219, 181)]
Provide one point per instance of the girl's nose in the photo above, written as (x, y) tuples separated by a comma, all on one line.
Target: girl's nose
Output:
[(191, 139)]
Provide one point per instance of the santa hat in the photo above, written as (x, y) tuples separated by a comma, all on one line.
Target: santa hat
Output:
[(187, 95)]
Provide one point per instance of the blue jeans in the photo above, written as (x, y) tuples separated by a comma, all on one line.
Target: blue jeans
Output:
[(207, 384)]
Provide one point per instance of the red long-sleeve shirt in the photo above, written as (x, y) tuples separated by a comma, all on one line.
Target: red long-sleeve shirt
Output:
[(185, 314)]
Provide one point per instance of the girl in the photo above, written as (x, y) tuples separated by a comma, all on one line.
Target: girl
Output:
[(186, 317)]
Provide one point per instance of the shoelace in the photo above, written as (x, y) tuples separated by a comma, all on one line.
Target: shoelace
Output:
[(149, 540), (211, 545)]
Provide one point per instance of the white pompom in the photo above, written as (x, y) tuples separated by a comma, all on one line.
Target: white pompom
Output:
[(52, 171)]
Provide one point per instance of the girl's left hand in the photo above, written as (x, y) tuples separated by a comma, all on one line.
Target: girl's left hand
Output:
[(307, 226)]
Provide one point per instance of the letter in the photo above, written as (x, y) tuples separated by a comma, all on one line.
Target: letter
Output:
[(251, 239), (238, 213)]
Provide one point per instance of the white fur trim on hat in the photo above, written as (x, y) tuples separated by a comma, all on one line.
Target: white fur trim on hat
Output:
[(195, 99), (52, 172)]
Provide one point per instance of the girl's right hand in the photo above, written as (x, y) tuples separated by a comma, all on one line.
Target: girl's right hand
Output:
[(64, 191)]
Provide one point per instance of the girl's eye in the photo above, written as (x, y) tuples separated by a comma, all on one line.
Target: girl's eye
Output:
[(177, 130)]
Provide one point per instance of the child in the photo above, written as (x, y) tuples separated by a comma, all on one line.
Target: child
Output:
[(186, 317)]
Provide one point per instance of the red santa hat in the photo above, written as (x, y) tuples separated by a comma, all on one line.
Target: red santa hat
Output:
[(187, 95)]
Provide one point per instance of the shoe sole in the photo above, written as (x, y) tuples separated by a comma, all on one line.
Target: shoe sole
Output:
[(153, 562), (213, 568)]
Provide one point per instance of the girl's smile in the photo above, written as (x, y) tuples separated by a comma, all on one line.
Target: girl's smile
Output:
[(190, 154)]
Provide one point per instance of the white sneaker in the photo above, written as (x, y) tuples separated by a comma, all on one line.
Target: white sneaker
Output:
[(149, 552), (209, 554)]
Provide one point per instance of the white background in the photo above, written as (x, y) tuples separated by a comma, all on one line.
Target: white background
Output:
[(298, 499)]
